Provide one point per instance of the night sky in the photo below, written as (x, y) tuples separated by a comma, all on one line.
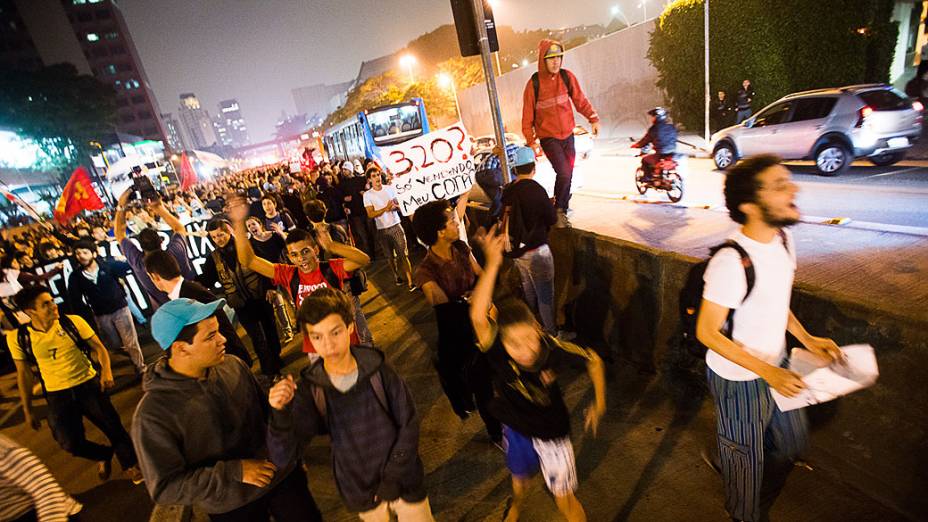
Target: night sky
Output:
[(257, 51)]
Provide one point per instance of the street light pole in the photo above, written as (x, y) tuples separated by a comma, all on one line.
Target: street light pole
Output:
[(484, 40), (708, 96)]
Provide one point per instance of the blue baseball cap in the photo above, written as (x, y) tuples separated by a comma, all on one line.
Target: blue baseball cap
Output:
[(174, 315), (521, 156)]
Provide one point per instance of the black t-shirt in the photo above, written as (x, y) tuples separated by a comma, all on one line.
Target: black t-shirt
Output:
[(522, 400), (355, 187), (271, 249), (531, 215)]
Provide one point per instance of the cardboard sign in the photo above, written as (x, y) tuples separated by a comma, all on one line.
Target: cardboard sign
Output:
[(434, 166)]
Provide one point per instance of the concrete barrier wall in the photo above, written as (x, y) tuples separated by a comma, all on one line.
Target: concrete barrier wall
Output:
[(614, 72), (623, 297)]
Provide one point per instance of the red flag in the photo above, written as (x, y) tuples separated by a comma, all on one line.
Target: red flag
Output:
[(78, 195), (188, 176)]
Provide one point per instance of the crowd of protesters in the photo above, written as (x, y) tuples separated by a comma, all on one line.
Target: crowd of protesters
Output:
[(222, 425)]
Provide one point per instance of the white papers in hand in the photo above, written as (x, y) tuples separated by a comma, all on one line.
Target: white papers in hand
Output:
[(826, 382)]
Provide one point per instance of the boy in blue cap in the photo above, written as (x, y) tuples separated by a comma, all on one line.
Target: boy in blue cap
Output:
[(199, 430)]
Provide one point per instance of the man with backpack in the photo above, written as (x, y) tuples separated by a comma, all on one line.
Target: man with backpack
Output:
[(364, 405), (60, 347), (528, 216), (306, 274), (548, 117), (743, 319)]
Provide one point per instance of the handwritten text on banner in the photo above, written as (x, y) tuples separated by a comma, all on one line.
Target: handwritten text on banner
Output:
[(434, 166)]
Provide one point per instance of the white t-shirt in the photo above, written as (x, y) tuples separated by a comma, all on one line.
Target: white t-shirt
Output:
[(760, 321), (379, 199)]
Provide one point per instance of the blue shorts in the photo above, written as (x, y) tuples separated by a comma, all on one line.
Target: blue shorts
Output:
[(554, 457)]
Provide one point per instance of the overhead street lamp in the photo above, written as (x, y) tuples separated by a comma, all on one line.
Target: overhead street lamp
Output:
[(617, 11), (408, 61), (446, 81), (644, 5)]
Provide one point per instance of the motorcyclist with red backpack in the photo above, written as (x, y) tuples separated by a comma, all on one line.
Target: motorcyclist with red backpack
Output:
[(662, 135)]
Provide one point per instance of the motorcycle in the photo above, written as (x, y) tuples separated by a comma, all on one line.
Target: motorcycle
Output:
[(664, 176)]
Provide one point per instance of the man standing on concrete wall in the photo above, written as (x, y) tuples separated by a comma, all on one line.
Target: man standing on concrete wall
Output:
[(548, 117)]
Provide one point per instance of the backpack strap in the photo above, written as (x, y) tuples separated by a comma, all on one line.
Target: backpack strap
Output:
[(536, 84), (24, 340), (749, 274), (379, 392), (328, 273), (71, 329), (319, 399)]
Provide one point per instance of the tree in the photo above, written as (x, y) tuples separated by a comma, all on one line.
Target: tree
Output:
[(60, 110), (783, 47)]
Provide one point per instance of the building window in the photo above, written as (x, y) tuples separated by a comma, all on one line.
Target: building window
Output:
[(93, 37), (84, 17), (94, 1), (112, 35), (132, 84), (104, 14), (118, 49), (100, 52), (78, 2), (109, 69)]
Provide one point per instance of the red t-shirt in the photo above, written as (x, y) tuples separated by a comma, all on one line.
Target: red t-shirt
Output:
[(309, 283)]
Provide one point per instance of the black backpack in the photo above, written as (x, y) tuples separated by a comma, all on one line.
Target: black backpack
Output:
[(24, 339), (691, 296)]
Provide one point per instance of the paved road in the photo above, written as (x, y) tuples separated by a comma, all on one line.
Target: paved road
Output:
[(896, 195)]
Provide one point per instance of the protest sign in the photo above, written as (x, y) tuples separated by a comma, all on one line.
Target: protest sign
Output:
[(434, 166)]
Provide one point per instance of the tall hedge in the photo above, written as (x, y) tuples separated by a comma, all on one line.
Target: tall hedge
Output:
[(783, 46)]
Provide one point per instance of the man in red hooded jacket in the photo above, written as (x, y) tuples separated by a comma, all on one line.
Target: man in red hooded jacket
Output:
[(548, 117)]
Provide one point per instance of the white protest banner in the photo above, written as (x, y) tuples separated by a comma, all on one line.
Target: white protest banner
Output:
[(434, 166)]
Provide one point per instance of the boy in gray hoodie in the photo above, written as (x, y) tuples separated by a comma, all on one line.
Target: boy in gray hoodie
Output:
[(199, 429), (351, 392)]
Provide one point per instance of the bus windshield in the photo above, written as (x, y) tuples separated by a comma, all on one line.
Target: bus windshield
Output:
[(391, 125)]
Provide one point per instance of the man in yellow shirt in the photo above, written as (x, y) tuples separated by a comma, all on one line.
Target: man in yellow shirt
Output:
[(71, 386)]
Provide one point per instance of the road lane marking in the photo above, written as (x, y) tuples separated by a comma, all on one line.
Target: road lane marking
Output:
[(910, 169)]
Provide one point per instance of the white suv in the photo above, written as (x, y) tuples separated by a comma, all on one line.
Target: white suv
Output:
[(830, 126)]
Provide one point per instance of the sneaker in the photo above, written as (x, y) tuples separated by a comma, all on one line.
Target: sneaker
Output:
[(413, 288), (105, 469), (135, 475), (399, 282), (566, 335)]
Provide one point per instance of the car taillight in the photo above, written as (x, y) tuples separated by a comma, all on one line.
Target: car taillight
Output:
[(862, 114), (917, 105)]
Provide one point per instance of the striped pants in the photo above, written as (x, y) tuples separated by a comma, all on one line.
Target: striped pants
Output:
[(757, 444)]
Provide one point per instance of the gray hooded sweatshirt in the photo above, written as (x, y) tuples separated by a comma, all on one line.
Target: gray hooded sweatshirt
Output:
[(192, 434)]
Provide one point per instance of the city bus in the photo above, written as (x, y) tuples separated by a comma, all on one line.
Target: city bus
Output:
[(362, 135)]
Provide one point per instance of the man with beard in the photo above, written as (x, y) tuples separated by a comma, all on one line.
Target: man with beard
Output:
[(245, 291), (757, 442), (96, 285)]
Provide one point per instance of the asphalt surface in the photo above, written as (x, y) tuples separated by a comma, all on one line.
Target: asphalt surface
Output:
[(896, 195)]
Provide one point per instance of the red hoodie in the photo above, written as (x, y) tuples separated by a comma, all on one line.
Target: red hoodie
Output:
[(552, 116)]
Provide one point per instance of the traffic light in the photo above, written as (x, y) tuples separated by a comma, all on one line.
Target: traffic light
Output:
[(464, 22)]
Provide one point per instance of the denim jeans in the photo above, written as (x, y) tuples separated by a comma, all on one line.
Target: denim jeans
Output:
[(118, 329), (561, 154), (66, 412), (536, 268)]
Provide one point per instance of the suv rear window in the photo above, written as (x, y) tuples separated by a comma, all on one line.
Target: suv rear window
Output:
[(813, 108), (885, 100)]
